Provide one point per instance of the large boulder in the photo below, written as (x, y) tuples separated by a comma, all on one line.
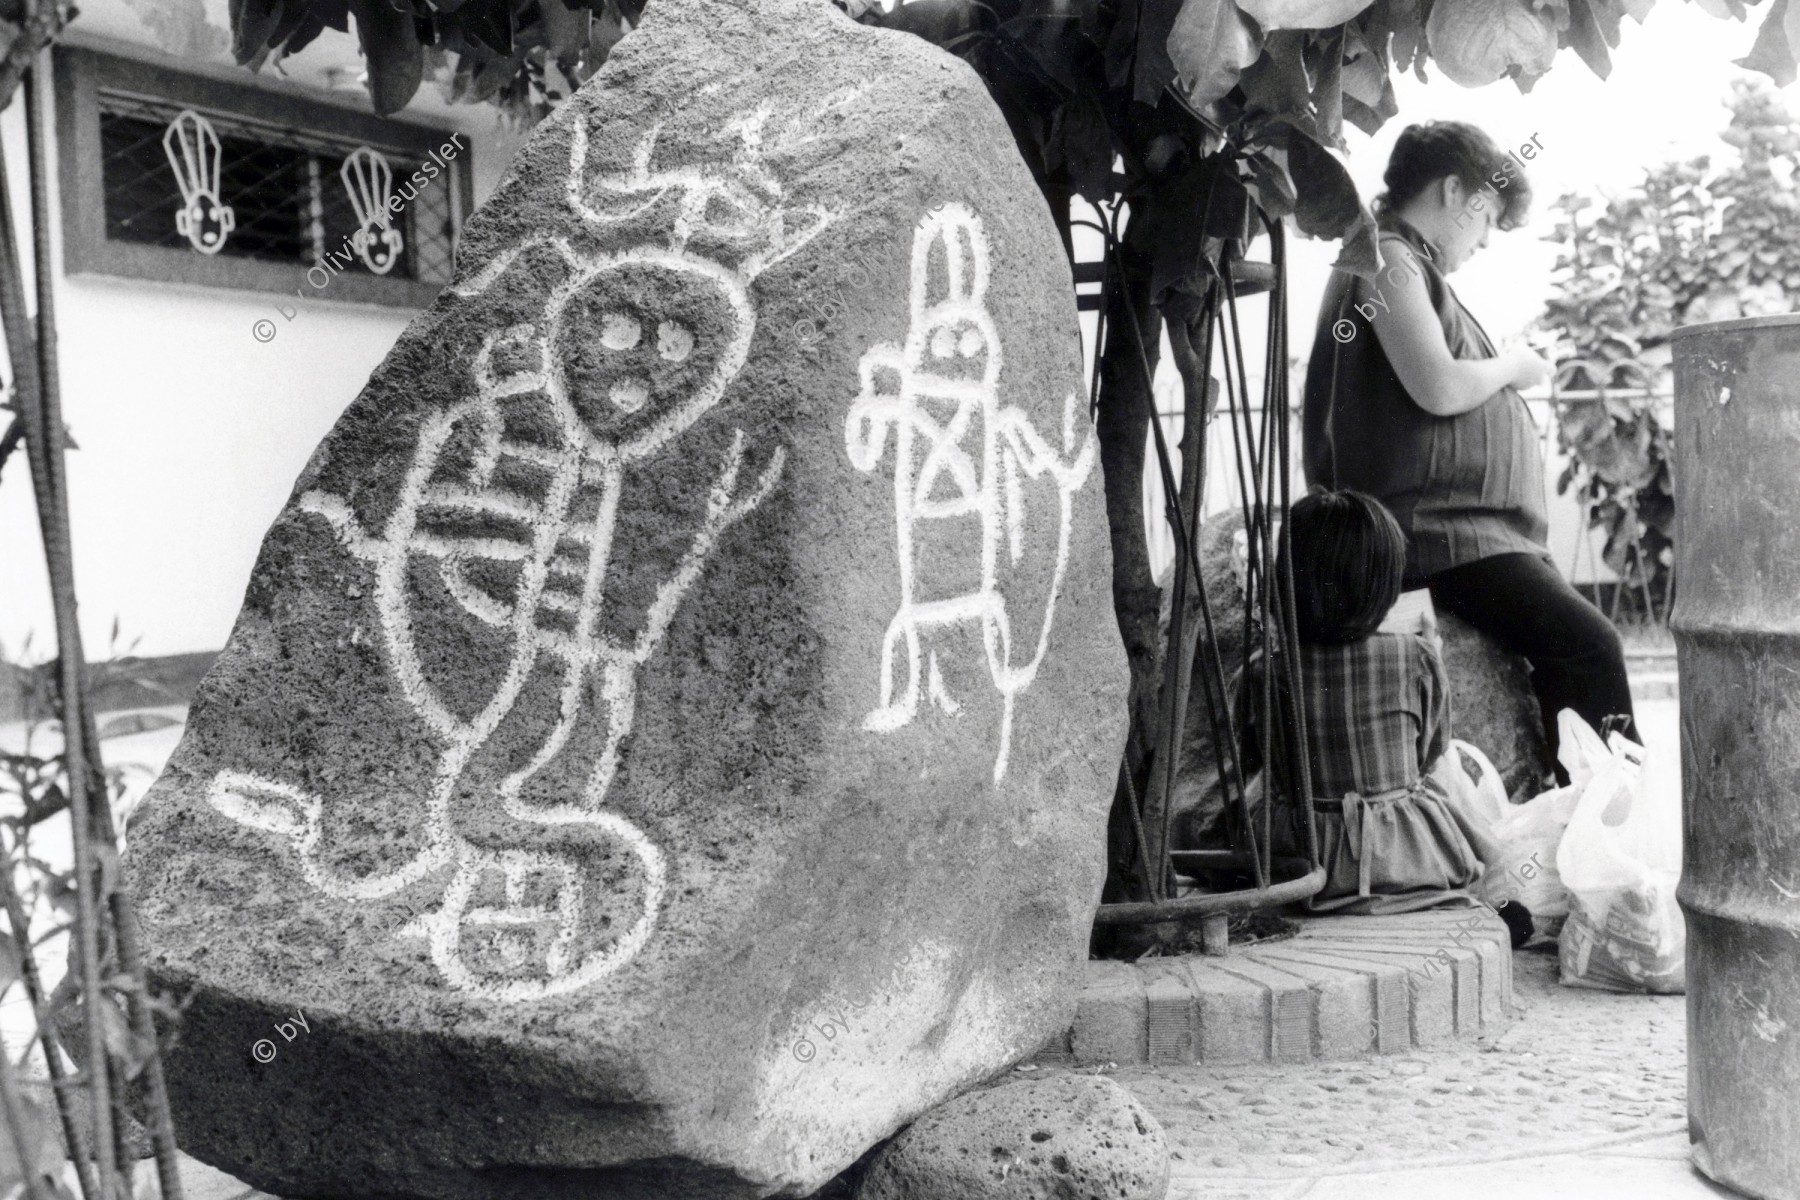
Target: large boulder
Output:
[(667, 742), (1048, 1137), (1492, 705)]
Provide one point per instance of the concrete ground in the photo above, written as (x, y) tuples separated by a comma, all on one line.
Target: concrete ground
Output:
[(1583, 1096)]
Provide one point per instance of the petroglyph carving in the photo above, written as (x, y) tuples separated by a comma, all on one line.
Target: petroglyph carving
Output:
[(958, 453), (605, 385)]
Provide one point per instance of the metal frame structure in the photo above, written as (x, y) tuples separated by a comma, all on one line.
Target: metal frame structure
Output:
[(1261, 450)]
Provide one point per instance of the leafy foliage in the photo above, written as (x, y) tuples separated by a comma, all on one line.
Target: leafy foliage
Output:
[(521, 55), (1690, 243), (1237, 100), (1620, 455), (34, 788)]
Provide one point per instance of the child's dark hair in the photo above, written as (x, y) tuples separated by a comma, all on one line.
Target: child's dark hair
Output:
[(1427, 153), (1349, 555)]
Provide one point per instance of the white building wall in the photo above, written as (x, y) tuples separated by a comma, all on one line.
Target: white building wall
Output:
[(191, 431)]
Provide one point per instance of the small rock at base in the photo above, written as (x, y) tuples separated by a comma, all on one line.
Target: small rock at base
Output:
[(1051, 1137)]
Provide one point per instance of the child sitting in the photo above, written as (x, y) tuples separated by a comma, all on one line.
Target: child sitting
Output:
[(1377, 719)]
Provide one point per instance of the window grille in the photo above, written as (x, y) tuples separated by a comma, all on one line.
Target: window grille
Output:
[(256, 176), (284, 185)]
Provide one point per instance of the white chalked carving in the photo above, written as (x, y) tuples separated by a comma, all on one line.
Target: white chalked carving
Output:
[(369, 183), (959, 454), (462, 513), (196, 156)]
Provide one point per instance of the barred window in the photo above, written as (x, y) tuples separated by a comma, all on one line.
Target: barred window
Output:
[(271, 168)]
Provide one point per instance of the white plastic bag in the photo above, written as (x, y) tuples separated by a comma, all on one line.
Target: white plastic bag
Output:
[(1621, 860), (1480, 796), (1529, 834)]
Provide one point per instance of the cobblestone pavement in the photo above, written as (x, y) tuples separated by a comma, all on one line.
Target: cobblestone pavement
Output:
[(1593, 1075)]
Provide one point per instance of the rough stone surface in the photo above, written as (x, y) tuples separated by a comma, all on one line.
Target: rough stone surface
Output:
[(1491, 702), (1493, 707), (667, 741), (1055, 1137)]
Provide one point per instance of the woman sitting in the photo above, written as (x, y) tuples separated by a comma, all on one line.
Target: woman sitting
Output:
[(1408, 400), (1377, 716)]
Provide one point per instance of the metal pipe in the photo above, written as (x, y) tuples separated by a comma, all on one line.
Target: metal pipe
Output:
[(1274, 896)]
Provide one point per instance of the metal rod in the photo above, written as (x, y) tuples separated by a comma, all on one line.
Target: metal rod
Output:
[(44, 444), (1193, 486), (1276, 894), (1302, 754), (161, 1125)]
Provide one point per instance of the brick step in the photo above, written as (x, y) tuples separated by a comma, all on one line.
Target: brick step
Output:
[(1342, 988)]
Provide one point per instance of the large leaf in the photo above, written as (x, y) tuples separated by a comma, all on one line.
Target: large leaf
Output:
[(1210, 45), (1085, 146), (1368, 88), (489, 24), (1302, 14), (1328, 89), (1276, 82), (1404, 22), (565, 29), (1365, 73), (1589, 38), (1156, 63), (1360, 252), (251, 23), (1370, 119), (1051, 38), (390, 43), (1269, 183), (1206, 200), (302, 36), (1479, 41), (1773, 51), (1121, 48), (1326, 204)]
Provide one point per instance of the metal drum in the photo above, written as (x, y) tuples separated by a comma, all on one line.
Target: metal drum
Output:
[(1737, 634)]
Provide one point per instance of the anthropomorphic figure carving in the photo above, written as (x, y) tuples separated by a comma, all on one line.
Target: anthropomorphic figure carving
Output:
[(960, 459), (511, 502)]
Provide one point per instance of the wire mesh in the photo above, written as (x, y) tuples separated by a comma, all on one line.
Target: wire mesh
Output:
[(283, 185)]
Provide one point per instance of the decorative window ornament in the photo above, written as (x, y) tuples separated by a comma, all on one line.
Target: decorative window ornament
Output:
[(196, 157), (369, 182)]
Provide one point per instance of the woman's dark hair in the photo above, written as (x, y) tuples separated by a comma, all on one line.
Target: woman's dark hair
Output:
[(1348, 555), (1438, 149)]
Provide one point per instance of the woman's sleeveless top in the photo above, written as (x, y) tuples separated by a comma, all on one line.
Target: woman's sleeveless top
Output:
[(1463, 488)]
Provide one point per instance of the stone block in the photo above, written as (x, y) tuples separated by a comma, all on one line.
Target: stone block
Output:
[(1234, 1016), (1170, 1016), (1343, 1004), (1111, 1015)]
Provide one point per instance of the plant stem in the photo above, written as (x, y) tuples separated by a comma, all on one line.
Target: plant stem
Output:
[(12, 1112), (46, 1028), (162, 1131)]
